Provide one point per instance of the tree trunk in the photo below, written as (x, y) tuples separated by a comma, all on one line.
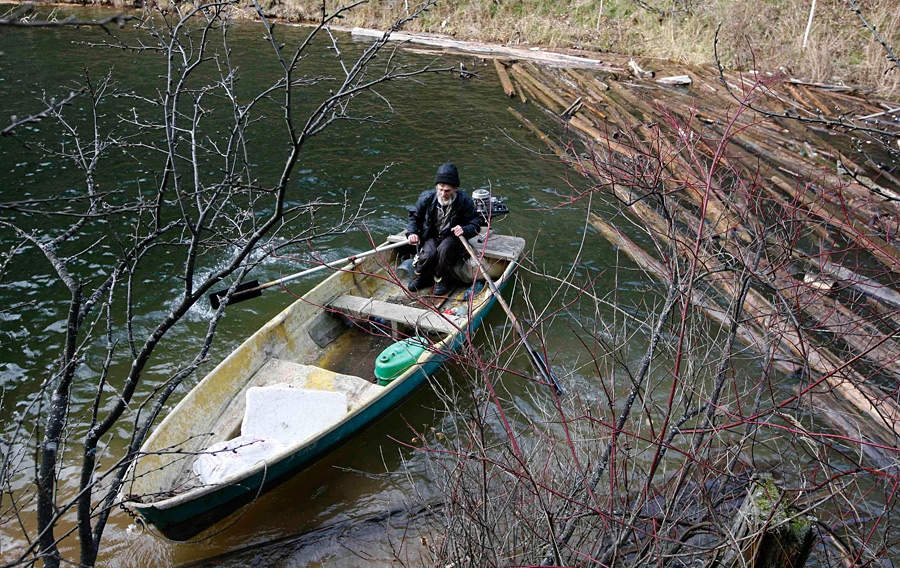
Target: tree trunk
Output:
[(766, 534)]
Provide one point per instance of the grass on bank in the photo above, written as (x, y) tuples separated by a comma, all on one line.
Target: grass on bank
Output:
[(766, 34)]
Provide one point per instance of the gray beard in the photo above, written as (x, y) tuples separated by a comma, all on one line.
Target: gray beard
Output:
[(445, 202)]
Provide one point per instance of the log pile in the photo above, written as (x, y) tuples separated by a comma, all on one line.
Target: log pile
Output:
[(795, 182)]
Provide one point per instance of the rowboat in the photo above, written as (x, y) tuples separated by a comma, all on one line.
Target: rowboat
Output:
[(317, 373)]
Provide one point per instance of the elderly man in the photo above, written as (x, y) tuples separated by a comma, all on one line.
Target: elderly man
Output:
[(441, 216)]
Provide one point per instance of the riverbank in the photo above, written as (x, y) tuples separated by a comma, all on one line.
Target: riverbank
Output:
[(828, 42), (828, 45)]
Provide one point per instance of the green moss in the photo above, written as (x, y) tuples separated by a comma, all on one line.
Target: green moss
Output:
[(789, 536)]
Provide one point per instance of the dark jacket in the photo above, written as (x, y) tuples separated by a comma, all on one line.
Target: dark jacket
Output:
[(423, 219)]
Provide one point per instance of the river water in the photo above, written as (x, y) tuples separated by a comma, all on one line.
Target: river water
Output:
[(429, 121)]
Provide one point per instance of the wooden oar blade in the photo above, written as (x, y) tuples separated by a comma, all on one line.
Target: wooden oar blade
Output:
[(244, 291), (543, 367)]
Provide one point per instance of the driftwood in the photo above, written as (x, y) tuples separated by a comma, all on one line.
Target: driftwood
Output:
[(753, 335), (504, 78), (572, 108), (489, 49), (793, 165), (867, 286), (547, 96), (587, 83), (675, 80), (557, 149), (839, 217), (537, 91), (638, 72)]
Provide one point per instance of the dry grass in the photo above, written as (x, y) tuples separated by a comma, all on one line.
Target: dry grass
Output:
[(766, 35)]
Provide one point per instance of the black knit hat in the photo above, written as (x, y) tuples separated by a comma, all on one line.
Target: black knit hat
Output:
[(447, 174)]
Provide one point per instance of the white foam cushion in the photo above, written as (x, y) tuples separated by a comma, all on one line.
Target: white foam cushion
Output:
[(224, 459), (289, 415)]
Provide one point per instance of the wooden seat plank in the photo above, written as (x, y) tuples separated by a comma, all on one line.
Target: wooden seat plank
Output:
[(408, 315)]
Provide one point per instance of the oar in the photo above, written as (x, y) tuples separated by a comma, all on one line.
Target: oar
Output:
[(537, 361), (253, 288)]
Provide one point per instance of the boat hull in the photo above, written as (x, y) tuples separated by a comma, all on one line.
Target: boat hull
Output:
[(184, 515), (181, 521)]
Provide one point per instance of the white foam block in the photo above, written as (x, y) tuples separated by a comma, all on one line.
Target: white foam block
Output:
[(289, 415), (238, 455)]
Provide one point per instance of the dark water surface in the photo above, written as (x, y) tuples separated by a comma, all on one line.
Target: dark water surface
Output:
[(437, 118)]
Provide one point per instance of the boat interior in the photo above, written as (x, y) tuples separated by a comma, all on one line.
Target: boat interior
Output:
[(373, 310)]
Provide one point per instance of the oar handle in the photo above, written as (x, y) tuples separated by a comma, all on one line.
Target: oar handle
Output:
[(333, 264), (493, 287), (537, 361), (247, 293)]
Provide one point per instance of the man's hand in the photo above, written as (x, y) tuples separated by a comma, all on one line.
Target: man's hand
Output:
[(413, 239), (458, 231)]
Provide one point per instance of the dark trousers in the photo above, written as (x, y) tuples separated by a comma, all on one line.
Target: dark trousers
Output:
[(437, 257)]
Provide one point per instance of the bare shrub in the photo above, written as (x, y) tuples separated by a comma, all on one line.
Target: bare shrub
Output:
[(731, 369)]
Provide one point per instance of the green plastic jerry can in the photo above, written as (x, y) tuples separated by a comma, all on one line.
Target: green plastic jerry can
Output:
[(397, 358)]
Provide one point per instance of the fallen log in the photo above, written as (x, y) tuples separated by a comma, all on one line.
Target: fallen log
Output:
[(824, 314), (867, 286), (832, 317), (835, 374), (800, 100), (718, 209), (894, 110), (595, 135), (819, 229), (638, 71), (879, 299), (535, 89), (827, 86), (675, 80), (572, 108), (544, 56), (524, 91), (753, 336), (840, 218), (816, 100), (587, 83), (520, 92), (755, 333), (556, 148), (504, 78)]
